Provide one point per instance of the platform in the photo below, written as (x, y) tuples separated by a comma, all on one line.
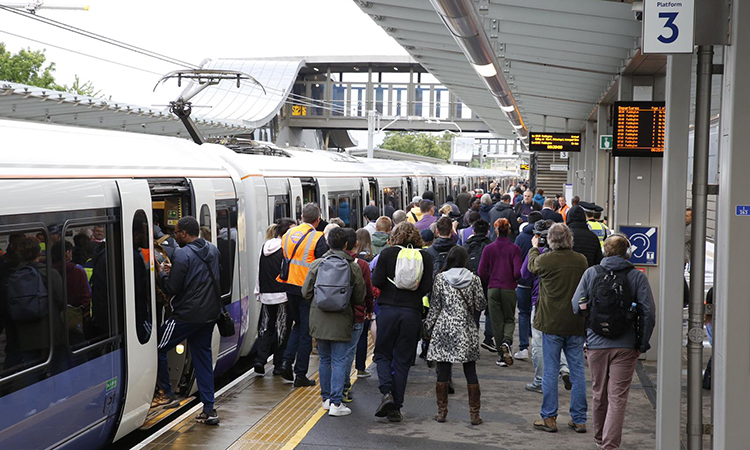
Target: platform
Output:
[(268, 413)]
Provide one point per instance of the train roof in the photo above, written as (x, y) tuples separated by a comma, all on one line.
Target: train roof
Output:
[(32, 150)]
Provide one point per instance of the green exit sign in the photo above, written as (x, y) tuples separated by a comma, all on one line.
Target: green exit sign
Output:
[(605, 142)]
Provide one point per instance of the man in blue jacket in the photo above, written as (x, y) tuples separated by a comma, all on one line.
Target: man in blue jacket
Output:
[(612, 359), (193, 282)]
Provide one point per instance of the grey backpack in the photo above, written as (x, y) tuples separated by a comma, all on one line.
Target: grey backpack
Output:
[(333, 288)]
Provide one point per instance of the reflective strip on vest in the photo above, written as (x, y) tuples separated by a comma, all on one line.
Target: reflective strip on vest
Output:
[(305, 255), (599, 230)]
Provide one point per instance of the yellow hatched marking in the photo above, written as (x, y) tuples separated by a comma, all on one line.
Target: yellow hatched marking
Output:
[(289, 422)]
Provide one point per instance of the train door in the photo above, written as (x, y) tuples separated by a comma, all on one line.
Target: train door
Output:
[(296, 193), (278, 199), (140, 334)]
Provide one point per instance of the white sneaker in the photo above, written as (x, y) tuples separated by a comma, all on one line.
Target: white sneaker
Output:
[(521, 354), (326, 404), (339, 410)]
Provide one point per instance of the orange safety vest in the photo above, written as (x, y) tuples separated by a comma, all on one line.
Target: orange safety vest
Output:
[(564, 212), (299, 263)]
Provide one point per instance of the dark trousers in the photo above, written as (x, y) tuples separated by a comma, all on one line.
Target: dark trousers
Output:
[(524, 316), (300, 343), (470, 372), (269, 341), (488, 335), (198, 336), (396, 348), (361, 361)]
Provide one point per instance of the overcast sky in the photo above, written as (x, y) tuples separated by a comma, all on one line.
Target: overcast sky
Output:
[(190, 31)]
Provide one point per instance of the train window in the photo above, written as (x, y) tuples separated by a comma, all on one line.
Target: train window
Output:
[(142, 277), (333, 211), (205, 223), (355, 214), (226, 219), (83, 265), (29, 291), (279, 205), (298, 208), (345, 210)]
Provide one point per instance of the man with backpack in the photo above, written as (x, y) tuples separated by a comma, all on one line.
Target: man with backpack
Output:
[(620, 307), (442, 245), (474, 247), (335, 287)]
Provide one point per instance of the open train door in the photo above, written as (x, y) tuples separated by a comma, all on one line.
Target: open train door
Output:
[(139, 314)]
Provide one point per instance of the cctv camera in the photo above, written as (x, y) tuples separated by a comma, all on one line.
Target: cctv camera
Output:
[(637, 9)]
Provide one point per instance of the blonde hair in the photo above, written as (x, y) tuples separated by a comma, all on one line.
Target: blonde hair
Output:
[(271, 231)]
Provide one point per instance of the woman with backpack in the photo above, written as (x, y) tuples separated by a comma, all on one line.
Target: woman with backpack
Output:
[(456, 295), (363, 249), (403, 275), (275, 322)]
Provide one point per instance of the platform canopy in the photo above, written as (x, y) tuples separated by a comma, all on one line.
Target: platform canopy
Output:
[(559, 56)]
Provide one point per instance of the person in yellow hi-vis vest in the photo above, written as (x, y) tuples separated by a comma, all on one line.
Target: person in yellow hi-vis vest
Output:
[(301, 246), (600, 230)]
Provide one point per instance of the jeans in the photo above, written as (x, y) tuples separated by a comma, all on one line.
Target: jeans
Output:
[(333, 370), (502, 305), (299, 345), (524, 316), (573, 348), (396, 348), (362, 346), (198, 336), (536, 354), (487, 324), (351, 351)]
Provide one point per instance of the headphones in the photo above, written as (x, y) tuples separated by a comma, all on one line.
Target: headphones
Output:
[(629, 251)]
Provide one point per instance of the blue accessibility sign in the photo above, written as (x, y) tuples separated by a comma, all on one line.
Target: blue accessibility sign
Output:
[(742, 211), (644, 243)]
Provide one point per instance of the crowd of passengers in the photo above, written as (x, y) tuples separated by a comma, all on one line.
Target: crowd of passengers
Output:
[(421, 278)]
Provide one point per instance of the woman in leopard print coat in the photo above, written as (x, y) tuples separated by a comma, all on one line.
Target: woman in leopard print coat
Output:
[(454, 336)]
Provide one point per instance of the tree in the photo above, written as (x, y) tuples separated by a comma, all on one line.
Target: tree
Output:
[(27, 67), (424, 144)]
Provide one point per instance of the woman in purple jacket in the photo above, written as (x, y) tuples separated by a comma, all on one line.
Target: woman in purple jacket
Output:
[(500, 269)]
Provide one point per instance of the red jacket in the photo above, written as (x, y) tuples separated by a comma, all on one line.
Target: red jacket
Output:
[(361, 311)]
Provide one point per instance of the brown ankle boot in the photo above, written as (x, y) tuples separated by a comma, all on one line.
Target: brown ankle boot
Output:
[(441, 390), (474, 403)]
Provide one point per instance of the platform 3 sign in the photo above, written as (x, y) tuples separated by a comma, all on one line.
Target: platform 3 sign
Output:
[(644, 242), (668, 26)]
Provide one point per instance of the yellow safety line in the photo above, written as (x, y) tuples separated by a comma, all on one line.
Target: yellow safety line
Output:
[(300, 435)]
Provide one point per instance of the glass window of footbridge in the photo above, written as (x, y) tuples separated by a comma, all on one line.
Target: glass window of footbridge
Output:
[(639, 129), (554, 142)]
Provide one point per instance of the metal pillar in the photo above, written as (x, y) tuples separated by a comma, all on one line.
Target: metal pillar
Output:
[(672, 262), (698, 248), (731, 365), (601, 172), (371, 133)]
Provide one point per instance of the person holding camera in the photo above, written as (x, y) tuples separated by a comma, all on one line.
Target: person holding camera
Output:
[(559, 270), (620, 310)]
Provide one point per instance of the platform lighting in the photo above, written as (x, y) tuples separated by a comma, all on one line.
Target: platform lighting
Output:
[(395, 68), (180, 349), (486, 70), (316, 69)]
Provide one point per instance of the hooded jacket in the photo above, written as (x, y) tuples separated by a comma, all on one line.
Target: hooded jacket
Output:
[(503, 211), (585, 241), (330, 325), (361, 311), (440, 245), (640, 289), (379, 241), (484, 212), (458, 277), (414, 215), (194, 288), (500, 266), (268, 290)]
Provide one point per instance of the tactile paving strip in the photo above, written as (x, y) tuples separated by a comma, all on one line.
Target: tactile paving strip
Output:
[(282, 424)]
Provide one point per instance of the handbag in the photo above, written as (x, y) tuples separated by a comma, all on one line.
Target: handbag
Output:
[(224, 321), (285, 262)]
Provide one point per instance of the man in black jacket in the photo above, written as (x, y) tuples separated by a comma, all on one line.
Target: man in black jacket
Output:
[(193, 281), (442, 245), (585, 241), (503, 210), (550, 214), (526, 206)]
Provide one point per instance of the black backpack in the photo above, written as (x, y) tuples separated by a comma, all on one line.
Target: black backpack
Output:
[(439, 262), (610, 301), (27, 295), (475, 247)]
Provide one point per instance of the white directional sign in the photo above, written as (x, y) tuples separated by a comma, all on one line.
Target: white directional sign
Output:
[(668, 26)]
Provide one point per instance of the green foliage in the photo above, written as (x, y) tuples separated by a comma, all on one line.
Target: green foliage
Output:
[(27, 67), (423, 144)]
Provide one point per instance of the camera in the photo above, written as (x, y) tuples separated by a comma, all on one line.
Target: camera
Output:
[(542, 240)]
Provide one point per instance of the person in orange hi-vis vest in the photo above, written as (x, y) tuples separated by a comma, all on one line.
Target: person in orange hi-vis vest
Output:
[(301, 246)]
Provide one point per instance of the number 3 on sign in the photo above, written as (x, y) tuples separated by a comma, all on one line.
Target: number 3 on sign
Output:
[(670, 16)]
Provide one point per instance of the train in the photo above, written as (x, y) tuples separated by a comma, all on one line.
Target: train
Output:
[(84, 376)]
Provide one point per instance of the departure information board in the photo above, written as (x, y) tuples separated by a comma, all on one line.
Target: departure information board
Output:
[(639, 129), (554, 142)]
